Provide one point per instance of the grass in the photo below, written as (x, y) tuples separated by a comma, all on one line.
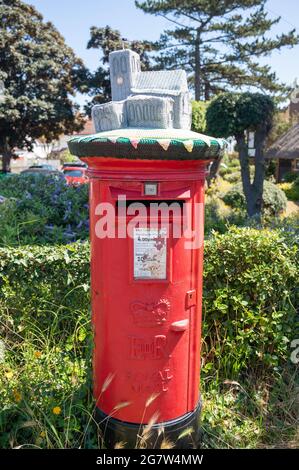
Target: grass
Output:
[(46, 394)]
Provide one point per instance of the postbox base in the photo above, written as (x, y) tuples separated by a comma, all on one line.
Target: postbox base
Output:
[(116, 431)]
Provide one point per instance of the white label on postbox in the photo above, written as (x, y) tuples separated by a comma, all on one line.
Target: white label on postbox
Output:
[(150, 253), (150, 189)]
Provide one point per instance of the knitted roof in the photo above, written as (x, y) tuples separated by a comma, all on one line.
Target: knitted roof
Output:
[(155, 144), (161, 80)]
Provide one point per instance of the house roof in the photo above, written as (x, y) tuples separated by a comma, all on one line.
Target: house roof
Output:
[(170, 81), (287, 146)]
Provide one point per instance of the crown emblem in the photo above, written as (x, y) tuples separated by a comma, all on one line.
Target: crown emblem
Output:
[(150, 314)]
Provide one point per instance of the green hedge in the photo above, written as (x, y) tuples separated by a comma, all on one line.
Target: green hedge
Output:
[(274, 199), (250, 295), (39, 283), (250, 278)]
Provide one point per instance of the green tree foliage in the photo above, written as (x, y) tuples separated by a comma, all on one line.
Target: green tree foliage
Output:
[(199, 109), (39, 72), (107, 40), (218, 42), (233, 114)]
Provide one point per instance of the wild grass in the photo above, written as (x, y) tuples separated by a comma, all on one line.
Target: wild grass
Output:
[(46, 396)]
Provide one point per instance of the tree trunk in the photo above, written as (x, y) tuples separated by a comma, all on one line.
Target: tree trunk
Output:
[(259, 173), (213, 171), (207, 90), (197, 77), (253, 191), (6, 159)]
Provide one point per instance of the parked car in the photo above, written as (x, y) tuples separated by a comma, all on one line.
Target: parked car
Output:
[(41, 170), (75, 175), (42, 166), (74, 165)]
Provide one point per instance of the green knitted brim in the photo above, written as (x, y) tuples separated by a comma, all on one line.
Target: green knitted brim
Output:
[(155, 144)]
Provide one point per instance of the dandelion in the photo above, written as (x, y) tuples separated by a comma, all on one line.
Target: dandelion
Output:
[(42, 434), (37, 354), (9, 375), (17, 396), (56, 410)]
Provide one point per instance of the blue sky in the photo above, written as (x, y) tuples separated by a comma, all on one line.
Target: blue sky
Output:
[(74, 18)]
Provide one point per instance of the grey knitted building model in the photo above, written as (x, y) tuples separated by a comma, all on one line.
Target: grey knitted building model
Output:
[(151, 100)]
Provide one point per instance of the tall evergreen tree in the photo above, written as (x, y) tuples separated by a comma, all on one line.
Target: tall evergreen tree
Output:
[(38, 73), (219, 42)]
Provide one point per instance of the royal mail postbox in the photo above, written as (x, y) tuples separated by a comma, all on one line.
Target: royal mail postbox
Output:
[(146, 228)]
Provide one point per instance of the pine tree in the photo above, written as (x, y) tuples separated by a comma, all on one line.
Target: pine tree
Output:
[(219, 42)]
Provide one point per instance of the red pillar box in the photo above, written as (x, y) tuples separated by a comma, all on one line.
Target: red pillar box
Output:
[(147, 226)]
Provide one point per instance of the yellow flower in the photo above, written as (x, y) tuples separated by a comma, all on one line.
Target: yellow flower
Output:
[(43, 434), (37, 354), (56, 410), (17, 396), (9, 375)]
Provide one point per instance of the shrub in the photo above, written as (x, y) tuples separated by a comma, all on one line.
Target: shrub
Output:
[(290, 176), (199, 115), (230, 164), (248, 301), (42, 209), (218, 216), (274, 199), (291, 190), (36, 280), (45, 330), (233, 177)]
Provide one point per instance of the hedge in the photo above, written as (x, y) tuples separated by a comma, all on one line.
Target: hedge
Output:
[(249, 295)]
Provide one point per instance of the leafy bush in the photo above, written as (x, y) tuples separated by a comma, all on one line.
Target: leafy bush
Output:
[(290, 176), (199, 115), (230, 164), (42, 209), (218, 216), (291, 190), (233, 177), (274, 199), (249, 298), (45, 378), (34, 278)]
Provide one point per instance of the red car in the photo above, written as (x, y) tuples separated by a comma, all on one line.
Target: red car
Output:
[(75, 175)]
